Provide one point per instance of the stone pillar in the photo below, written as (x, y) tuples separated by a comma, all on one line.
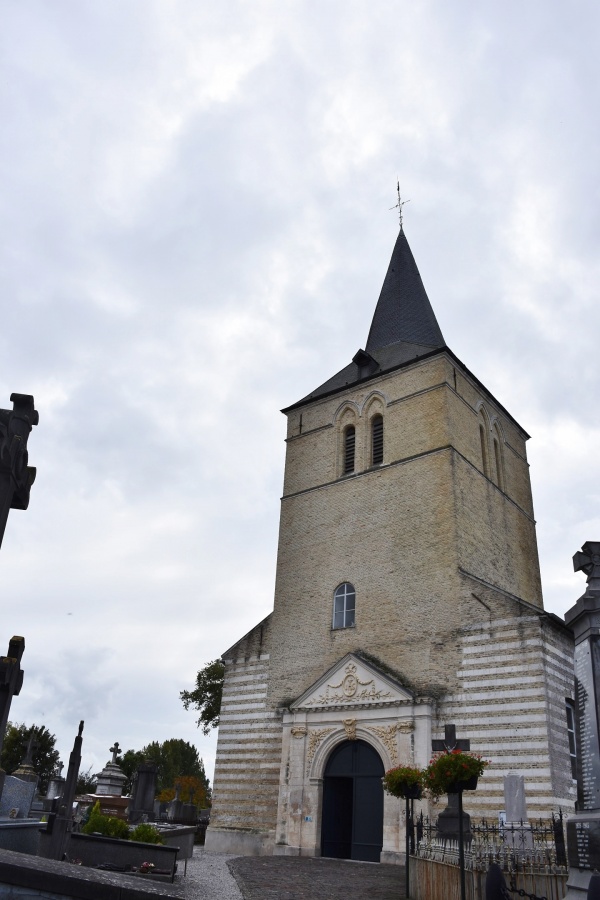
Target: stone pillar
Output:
[(583, 829)]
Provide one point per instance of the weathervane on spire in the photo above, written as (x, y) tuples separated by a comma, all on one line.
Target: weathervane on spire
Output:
[(399, 204)]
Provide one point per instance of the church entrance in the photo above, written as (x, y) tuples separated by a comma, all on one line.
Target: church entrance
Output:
[(352, 822)]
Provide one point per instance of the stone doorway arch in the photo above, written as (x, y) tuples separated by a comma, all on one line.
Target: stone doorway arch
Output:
[(352, 817)]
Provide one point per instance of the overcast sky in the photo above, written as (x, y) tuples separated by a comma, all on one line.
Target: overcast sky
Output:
[(195, 228)]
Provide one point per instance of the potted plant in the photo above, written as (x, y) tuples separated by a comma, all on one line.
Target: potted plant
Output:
[(450, 773), (404, 782)]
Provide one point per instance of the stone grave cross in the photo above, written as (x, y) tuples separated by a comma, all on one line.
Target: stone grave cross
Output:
[(16, 477), (450, 742), (115, 752), (31, 747), (11, 680)]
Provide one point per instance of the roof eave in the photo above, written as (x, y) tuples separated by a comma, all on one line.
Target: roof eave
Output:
[(404, 365)]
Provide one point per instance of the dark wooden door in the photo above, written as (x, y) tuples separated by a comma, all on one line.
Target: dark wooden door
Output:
[(352, 822)]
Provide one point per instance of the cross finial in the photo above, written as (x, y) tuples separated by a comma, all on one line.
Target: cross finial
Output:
[(115, 752), (399, 204)]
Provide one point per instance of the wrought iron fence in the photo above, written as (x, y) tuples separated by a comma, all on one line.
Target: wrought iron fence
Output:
[(537, 846)]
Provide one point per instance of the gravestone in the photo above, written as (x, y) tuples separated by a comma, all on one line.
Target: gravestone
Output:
[(583, 829), (112, 778), (143, 793), (26, 770), (448, 819), (175, 808), (56, 784), (517, 833), (17, 795), (11, 682), (16, 477)]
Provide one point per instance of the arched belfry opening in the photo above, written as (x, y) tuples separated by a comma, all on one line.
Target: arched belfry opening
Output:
[(352, 821)]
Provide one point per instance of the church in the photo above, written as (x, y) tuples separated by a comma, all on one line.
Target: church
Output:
[(407, 597)]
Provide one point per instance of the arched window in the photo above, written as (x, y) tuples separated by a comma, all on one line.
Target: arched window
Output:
[(484, 453), (344, 606), (349, 447), (498, 457), (376, 440)]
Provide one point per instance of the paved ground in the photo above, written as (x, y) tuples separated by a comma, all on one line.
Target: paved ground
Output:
[(213, 876), (296, 878)]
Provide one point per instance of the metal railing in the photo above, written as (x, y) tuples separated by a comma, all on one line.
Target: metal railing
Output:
[(537, 846)]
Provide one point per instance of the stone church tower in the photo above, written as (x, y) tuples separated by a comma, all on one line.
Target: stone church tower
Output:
[(407, 597)]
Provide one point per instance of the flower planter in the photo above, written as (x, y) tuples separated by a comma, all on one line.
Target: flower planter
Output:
[(411, 791), (469, 784)]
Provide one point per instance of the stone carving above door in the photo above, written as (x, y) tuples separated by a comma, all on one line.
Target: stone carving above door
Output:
[(353, 682)]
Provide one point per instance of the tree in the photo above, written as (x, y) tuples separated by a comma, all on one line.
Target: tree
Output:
[(86, 782), (173, 758), (128, 764), (45, 758), (207, 695), (187, 783)]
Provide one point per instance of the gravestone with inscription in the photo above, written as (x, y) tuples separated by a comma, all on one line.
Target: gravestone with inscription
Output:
[(583, 829)]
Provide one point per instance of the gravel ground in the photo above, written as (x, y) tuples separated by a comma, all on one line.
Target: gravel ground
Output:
[(208, 878)]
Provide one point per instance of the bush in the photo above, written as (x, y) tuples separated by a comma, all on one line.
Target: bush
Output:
[(107, 826), (147, 834)]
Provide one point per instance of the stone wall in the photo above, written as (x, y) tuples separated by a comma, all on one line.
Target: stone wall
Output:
[(515, 674), (246, 780)]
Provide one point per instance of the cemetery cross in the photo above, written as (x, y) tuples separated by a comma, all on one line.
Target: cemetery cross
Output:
[(115, 752), (11, 682), (16, 477), (450, 743)]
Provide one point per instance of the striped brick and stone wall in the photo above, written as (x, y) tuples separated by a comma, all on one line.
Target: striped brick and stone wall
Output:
[(248, 753), (515, 675)]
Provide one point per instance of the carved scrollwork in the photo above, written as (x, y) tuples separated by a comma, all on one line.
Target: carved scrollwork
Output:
[(350, 728), (314, 739), (299, 731), (406, 727), (387, 736), (350, 690)]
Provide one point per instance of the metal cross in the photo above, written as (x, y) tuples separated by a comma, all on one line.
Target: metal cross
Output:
[(399, 204), (450, 742)]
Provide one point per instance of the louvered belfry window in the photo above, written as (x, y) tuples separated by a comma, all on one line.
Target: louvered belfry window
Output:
[(349, 445), (377, 440)]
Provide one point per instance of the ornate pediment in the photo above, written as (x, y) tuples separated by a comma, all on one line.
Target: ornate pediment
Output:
[(353, 682)]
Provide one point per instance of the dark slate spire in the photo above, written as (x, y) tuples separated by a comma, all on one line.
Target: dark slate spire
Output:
[(404, 327), (403, 311)]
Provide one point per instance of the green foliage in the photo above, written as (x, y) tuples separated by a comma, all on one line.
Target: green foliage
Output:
[(206, 696), (396, 781), (146, 833), (128, 764), (107, 826), (447, 769), (186, 784), (86, 782), (173, 758), (45, 757)]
